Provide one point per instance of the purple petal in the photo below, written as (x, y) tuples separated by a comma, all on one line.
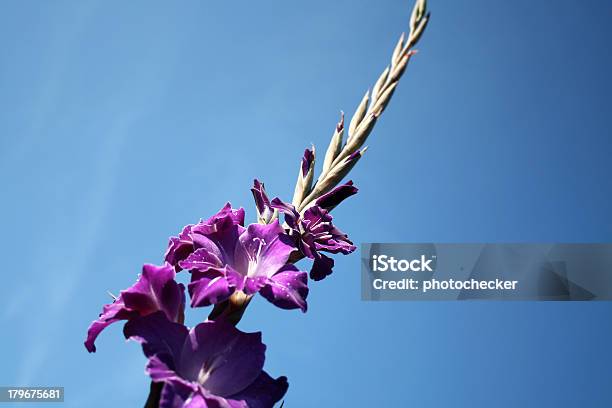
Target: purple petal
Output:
[(110, 314), (211, 286), (218, 234), (199, 398), (267, 245), (331, 199), (336, 247), (291, 214), (222, 358), (204, 243), (224, 218), (161, 369), (253, 285), (178, 249), (237, 404), (320, 234), (202, 259), (316, 217), (203, 399), (155, 290), (221, 242), (321, 267), (287, 289), (181, 246), (236, 215), (307, 247), (170, 398), (176, 391), (264, 392), (160, 338), (196, 401)]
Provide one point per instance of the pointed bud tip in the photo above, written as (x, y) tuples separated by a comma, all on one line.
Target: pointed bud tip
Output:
[(340, 124)]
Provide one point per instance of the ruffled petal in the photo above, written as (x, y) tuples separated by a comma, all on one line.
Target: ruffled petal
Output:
[(321, 267), (155, 290), (211, 286), (335, 246), (221, 358), (162, 341), (181, 246), (320, 234), (287, 289), (110, 314), (227, 213), (264, 392), (223, 219)]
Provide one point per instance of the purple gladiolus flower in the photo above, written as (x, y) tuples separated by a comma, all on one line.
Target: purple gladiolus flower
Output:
[(319, 234), (155, 290), (181, 246), (315, 233), (212, 365), (228, 257)]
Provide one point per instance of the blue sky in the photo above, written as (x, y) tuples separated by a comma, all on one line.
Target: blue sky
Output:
[(123, 121)]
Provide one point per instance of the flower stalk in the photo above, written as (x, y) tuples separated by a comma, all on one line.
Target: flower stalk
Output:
[(369, 109)]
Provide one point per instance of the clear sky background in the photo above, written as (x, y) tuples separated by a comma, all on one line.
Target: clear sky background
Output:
[(120, 122)]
